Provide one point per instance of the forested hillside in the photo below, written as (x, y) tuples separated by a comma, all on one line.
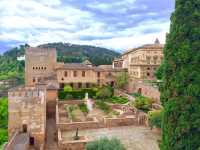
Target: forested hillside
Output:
[(10, 68)]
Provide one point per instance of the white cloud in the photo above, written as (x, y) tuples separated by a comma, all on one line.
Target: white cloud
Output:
[(43, 21)]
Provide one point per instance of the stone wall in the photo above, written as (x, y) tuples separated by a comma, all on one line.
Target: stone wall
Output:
[(115, 122), (27, 112), (70, 102), (71, 144), (146, 89), (80, 125)]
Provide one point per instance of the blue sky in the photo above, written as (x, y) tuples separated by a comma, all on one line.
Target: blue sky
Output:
[(114, 24)]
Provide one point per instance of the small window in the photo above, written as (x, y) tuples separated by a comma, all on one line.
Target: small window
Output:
[(42, 68), (75, 73), (45, 68), (79, 85), (148, 68), (62, 79), (33, 68), (98, 74), (87, 85), (36, 68), (39, 68), (33, 80), (148, 74), (83, 73), (66, 73)]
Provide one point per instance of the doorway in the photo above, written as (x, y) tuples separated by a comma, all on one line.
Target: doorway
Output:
[(140, 90), (24, 128), (32, 141)]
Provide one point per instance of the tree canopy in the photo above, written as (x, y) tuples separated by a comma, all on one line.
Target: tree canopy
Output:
[(180, 92)]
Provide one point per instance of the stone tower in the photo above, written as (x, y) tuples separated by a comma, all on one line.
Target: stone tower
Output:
[(40, 63), (27, 113)]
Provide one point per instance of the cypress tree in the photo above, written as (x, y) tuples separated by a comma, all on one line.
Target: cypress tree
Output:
[(180, 92)]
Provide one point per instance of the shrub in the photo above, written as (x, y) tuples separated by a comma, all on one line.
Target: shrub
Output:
[(83, 108), (121, 79), (105, 144), (103, 106), (67, 88), (118, 100), (70, 111), (155, 118), (104, 92), (136, 94), (143, 103)]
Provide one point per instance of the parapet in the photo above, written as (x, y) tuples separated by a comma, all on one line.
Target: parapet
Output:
[(22, 91)]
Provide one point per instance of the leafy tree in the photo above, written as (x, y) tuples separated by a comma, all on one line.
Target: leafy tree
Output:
[(104, 92), (180, 92), (122, 79), (3, 120), (105, 144)]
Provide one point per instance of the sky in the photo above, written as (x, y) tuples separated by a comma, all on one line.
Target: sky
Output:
[(113, 24)]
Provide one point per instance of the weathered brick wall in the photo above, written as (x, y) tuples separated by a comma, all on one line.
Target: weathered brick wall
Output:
[(72, 144), (80, 125), (27, 109), (115, 122)]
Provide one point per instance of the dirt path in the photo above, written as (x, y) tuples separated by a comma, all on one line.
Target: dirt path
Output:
[(51, 143)]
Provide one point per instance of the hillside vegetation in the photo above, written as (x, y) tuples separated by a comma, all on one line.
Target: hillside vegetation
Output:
[(10, 68)]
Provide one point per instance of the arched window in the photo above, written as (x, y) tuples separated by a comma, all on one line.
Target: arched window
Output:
[(33, 68)]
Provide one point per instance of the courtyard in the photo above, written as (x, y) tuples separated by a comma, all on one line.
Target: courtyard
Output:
[(133, 137)]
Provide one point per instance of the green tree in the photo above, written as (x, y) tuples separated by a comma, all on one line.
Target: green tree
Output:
[(180, 92), (105, 144), (3, 120), (104, 92), (122, 79)]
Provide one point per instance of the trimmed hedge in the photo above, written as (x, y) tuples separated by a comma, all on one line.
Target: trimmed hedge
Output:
[(77, 94), (118, 100)]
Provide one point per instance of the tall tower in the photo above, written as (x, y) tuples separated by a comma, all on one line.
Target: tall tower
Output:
[(39, 63)]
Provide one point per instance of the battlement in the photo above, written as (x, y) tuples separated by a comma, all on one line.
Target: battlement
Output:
[(23, 91)]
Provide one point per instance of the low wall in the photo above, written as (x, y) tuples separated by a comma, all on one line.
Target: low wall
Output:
[(10, 144), (70, 102), (80, 125), (73, 144), (115, 122)]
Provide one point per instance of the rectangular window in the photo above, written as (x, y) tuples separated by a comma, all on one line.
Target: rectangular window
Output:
[(98, 74), (66, 73), (83, 73), (75, 73)]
